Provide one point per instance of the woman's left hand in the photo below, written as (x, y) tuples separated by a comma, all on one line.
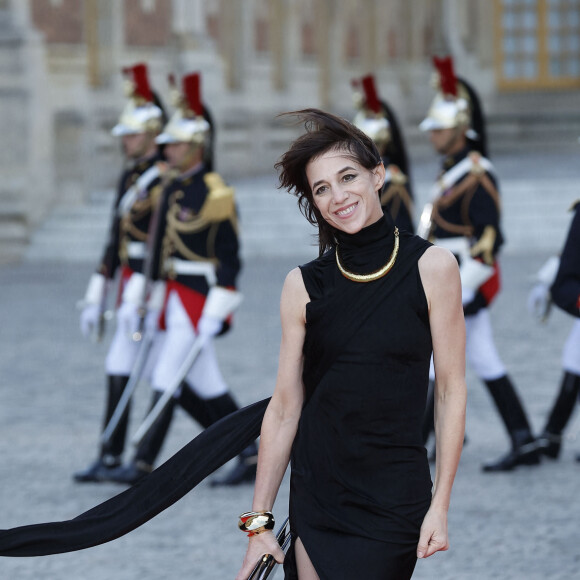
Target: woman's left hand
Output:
[(433, 536)]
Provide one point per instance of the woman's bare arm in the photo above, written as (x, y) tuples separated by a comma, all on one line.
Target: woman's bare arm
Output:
[(281, 418), (440, 276)]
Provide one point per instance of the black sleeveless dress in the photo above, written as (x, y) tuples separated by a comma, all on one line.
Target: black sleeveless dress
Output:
[(360, 481)]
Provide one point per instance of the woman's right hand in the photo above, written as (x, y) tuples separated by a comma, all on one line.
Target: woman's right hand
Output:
[(258, 546)]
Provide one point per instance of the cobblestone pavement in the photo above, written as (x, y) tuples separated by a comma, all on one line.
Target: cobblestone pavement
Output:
[(515, 526)]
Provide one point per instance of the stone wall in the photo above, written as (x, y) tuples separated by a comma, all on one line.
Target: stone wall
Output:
[(61, 88)]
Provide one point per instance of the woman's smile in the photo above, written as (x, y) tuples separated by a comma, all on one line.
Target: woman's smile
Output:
[(347, 211)]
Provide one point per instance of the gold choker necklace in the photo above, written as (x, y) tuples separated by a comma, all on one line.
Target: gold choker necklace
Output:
[(373, 275)]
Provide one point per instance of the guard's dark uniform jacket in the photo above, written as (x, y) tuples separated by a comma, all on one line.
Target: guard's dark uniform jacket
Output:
[(566, 287), (396, 196), (467, 205), (196, 238), (138, 193)]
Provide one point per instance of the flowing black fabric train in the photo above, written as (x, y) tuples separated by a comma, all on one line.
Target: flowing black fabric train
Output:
[(162, 488)]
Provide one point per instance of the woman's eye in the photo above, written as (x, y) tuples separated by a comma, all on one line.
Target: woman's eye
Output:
[(349, 177), (320, 190)]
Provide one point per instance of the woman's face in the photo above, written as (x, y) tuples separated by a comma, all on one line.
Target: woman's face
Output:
[(345, 193)]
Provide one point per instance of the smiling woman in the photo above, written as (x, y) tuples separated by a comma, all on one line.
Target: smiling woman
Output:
[(345, 193), (359, 325)]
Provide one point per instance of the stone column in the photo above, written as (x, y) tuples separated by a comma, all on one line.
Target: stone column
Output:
[(369, 41), (324, 14), (280, 49), (233, 43), (26, 188)]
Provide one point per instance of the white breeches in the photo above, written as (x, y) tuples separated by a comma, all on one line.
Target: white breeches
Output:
[(480, 350), (123, 349), (204, 377), (571, 352)]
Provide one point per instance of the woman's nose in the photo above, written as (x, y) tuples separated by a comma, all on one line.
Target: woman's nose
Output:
[(339, 194)]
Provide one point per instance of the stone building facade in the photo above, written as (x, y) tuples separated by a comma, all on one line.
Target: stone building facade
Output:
[(61, 87)]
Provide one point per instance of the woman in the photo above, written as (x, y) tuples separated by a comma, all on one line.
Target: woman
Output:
[(358, 327)]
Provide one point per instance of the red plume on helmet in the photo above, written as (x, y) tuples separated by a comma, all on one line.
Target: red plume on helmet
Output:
[(138, 75), (371, 95), (192, 93), (447, 78)]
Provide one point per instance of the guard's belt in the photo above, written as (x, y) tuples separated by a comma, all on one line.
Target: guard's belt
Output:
[(190, 268)]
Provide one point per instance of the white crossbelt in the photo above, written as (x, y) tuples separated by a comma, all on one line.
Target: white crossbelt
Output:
[(136, 250), (190, 268), (453, 175), (142, 183)]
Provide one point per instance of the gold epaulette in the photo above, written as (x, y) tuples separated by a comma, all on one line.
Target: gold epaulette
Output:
[(574, 205), (155, 195), (397, 176), (484, 246), (219, 204), (476, 168)]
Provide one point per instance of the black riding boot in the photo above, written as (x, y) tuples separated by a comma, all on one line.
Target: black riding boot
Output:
[(550, 441), (149, 447), (110, 452), (524, 450), (247, 461), (196, 407)]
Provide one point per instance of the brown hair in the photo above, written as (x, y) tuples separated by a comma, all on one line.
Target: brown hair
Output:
[(324, 132)]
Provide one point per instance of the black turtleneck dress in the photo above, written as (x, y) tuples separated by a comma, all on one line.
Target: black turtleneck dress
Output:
[(360, 479)]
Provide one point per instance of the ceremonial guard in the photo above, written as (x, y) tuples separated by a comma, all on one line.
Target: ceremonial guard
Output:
[(559, 281), (376, 118), (196, 256), (137, 194), (464, 217)]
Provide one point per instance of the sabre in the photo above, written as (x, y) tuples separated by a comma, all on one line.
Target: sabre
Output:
[(266, 566), (424, 227), (104, 316), (230, 301), (129, 389)]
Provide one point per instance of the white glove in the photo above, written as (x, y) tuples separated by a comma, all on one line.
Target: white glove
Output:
[(209, 326), (467, 296), (539, 301), (220, 303), (473, 274), (90, 315), (92, 304), (547, 273), (134, 291)]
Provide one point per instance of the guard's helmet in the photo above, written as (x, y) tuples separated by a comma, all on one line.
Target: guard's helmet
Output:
[(187, 124), (191, 122), (376, 118), (143, 112), (456, 104)]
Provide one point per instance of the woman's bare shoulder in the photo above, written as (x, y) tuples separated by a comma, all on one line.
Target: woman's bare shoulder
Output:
[(294, 295), (437, 262), (294, 283)]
